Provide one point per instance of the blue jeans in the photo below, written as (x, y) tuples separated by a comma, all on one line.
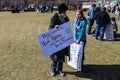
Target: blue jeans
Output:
[(56, 64), (84, 49), (100, 29), (83, 56), (90, 24)]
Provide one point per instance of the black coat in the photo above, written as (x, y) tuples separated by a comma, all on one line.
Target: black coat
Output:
[(102, 18), (60, 55), (55, 20)]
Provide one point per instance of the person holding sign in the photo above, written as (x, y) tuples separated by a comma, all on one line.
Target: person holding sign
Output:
[(58, 58), (80, 34)]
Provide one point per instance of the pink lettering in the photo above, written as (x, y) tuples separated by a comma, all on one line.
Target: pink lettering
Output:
[(56, 37)]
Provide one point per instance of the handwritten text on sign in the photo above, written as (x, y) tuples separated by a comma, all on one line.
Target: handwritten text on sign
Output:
[(76, 52), (56, 39)]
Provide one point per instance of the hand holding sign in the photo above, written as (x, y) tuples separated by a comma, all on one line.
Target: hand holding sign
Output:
[(56, 26), (56, 39)]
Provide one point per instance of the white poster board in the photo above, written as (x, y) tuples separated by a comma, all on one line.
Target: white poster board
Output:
[(76, 52), (56, 39)]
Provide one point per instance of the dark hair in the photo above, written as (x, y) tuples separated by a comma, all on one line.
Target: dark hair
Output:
[(103, 8), (93, 5), (113, 18), (62, 8), (81, 12), (78, 7)]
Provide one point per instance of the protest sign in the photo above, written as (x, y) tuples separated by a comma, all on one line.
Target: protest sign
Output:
[(56, 39), (76, 52)]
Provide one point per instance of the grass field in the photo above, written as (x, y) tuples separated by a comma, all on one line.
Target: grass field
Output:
[(22, 59)]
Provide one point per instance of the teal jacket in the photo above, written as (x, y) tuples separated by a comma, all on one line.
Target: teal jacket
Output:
[(80, 30)]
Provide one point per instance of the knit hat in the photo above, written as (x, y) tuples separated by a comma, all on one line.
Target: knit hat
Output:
[(62, 8)]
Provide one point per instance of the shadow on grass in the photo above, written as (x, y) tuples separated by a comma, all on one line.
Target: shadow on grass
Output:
[(117, 38), (99, 72)]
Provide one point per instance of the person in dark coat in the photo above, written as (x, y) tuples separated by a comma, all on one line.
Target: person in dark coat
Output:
[(102, 19), (58, 58)]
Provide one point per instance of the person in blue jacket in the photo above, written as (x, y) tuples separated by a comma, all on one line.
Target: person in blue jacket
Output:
[(90, 18), (80, 30)]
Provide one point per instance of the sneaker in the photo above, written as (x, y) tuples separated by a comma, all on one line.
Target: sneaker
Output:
[(61, 73), (101, 39), (96, 38), (52, 74)]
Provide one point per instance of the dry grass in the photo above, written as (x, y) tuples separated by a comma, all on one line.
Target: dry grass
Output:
[(21, 57)]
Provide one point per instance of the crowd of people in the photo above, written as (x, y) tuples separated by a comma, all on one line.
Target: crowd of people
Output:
[(44, 8), (106, 28)]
